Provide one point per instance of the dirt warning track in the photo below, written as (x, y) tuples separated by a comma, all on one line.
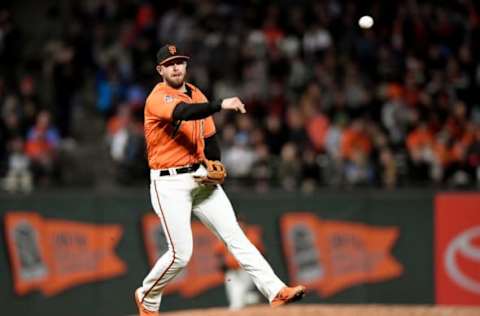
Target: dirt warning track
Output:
[(335, 310)]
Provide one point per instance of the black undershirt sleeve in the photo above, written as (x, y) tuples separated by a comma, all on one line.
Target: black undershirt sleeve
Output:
[(187, 112), (212, 149)]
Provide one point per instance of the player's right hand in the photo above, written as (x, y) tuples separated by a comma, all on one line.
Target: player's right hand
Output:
[(233, 104)]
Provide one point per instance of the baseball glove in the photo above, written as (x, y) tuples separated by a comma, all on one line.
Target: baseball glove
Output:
[(216, 173)]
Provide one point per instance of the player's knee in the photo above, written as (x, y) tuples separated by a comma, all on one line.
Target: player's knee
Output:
[(238, 239), (182, 261), (182, 257)]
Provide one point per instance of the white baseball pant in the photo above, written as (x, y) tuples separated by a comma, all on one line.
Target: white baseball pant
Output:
[(174, 198)]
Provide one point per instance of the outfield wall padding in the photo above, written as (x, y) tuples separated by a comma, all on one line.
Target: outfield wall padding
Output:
[(410, 211)]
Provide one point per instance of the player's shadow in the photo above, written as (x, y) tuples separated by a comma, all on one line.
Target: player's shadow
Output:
[(202, 193)]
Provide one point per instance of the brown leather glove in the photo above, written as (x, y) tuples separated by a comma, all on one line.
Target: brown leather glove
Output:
[(216, 173)]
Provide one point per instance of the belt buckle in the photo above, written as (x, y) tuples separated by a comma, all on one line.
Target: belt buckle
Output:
[(172, 171)]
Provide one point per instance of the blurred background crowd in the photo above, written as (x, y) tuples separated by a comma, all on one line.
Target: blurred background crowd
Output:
[(329, 104)]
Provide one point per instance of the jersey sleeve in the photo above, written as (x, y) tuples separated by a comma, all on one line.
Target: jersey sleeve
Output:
[(209, 127), (161, 106), (209, 122)]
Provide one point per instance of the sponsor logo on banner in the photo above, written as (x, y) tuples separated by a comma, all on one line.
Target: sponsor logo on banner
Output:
[(457, 249), (462, 245), (52, 255), (330, 256)]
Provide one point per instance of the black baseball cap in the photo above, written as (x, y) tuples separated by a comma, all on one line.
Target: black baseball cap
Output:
[(169, 52)]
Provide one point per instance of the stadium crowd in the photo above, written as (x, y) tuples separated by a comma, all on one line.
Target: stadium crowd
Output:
[(329, 103)]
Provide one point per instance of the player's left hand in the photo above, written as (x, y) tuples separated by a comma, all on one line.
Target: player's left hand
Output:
[(216, 173)]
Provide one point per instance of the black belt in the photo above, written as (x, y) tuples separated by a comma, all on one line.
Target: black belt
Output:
[(168, 172)]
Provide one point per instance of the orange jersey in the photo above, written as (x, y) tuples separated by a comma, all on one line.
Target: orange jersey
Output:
[(352, 141), (166, 146), (419, 138)]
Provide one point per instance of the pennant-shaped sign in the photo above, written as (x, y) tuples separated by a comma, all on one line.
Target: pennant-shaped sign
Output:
[(330, 256), (53, 255)]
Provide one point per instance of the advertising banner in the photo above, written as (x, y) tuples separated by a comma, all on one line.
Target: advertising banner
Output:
[(457, 249), (52, 255), (330, 256)]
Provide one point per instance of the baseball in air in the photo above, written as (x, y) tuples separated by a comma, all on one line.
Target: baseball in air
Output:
[(365, 22)]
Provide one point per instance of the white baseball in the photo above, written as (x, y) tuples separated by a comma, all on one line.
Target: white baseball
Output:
[(365, 22)]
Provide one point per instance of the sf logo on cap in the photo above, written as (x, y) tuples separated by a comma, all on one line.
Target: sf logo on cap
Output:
[(172, 49)]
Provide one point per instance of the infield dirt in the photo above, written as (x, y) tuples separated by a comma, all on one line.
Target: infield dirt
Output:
[(335, 310)]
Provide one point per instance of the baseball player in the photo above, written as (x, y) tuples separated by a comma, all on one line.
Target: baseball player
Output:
[(185, 174)]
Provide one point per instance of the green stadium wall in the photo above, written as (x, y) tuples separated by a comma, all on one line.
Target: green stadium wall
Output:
[(410, 211)]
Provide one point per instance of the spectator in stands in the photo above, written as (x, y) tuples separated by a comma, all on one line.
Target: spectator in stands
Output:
[(355, 141), (290, 168), (310, 173), (18, 177), (66, 81), (264, 168), (239, 158), (42, 144), (276, 134), (125, 139), (316, 122), (419, 144), (355, 150), (395, 114), (333, 140), (388, 169), (296, 127), (110, 89), (13, 125)]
